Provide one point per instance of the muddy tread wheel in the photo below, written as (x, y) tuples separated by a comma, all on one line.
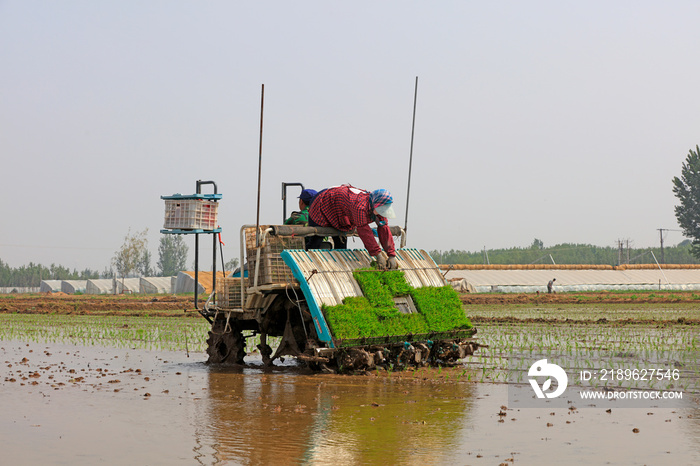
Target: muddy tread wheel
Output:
[(225, 345), (266, 353)]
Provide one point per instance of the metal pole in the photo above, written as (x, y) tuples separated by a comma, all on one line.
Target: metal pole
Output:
[(196, 268), (196, 248), (257, 221), (660, 269), (410, 159), (221, 250), (213, 263), (284, 197)]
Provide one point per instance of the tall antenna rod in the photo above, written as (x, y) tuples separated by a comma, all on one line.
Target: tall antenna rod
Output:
[(410, 160), (257, 221)]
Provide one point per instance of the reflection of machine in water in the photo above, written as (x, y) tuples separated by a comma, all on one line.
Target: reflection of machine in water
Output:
[(285, 417)]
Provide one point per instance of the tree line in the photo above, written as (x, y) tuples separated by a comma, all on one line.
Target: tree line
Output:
[(568, 253), (132, 259), (32, 274)]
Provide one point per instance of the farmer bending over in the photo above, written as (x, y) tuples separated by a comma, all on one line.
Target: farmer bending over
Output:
[(345, 207)]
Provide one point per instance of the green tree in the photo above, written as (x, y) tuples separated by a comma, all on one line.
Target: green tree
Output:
[(566, 253), (144, 265), (231, 265), (685, 243), (172, 255), (687, 190), (32, 274), (126, 259)]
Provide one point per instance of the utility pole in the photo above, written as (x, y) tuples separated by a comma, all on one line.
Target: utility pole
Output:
[(619, 251), (661, 240)]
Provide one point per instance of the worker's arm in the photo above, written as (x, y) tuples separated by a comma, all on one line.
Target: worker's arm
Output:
[(386, 240), (367, 237)]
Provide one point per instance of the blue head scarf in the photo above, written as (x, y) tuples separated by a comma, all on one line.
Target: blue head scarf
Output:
[(381, 202), (380, 197)]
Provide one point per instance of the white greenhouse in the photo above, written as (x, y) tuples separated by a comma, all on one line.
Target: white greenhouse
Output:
[(127, 285), (50, 286), (530, 281), (18, 289), (100, 286), (184, 283), (156, 285), (73, 286)]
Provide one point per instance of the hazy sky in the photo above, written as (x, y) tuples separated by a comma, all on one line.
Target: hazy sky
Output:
[(563, 121)]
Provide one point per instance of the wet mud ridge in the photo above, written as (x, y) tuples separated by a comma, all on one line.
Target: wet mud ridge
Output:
[(60, 303), (168, 305), (591, 298)]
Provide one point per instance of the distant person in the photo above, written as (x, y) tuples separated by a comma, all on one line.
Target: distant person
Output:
[(550, 285), (346, 208)]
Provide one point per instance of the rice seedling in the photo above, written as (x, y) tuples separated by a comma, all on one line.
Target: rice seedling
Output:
[(122, 331), (375, 313), (514, 347)]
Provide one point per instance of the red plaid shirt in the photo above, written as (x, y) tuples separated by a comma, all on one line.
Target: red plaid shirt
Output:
[(345, 208)]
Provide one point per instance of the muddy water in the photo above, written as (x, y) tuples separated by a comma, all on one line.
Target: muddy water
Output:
[(64, 404)]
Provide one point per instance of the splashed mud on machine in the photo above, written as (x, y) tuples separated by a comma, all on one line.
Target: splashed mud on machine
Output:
[(285, 291)]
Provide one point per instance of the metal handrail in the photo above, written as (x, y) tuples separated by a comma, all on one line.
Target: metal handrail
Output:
[(292, 230)]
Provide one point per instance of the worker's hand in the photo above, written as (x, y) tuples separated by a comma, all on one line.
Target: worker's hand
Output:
[(381, 261), (393, 265)]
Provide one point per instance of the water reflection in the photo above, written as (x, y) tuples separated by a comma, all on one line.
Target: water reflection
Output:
[(147, 407), (288, 416)]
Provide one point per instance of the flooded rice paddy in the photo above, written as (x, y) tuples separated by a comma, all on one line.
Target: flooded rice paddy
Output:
[(91, 390)]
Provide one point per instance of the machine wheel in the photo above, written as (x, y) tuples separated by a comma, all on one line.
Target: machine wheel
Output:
[(225, 344), (354, 359), (265, 350)]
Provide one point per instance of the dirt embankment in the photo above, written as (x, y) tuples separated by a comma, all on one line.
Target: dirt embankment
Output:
[(167, 305), (585, 308), (603, 297), (61, 303)]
